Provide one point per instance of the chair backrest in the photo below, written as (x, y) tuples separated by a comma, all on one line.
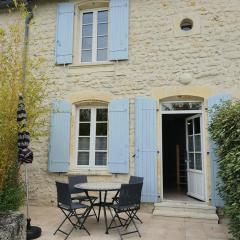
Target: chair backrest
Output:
[(135, 179), (130, 194), (63, 193), (73, 180)]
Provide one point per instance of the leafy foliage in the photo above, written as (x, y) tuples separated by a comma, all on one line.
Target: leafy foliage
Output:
[(225, 131), (34, 92)]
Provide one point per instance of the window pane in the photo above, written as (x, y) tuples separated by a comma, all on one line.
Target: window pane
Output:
[(197, 143), (87, 43), (84, 129), (83, 158), (87, 31), (83, 143), (190, 144), (197, 125), (102, 114), (85, 115), (101, 129), (102, 29), (103, 16), (87, 18), (101, 143), (102, 55), (102, 42), (190, 127), (86, 56), (100, 158), (191, 160), (181, 106), (198, 158)]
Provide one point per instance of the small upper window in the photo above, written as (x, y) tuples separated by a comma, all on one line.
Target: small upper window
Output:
[(94, 35), (186, 24), (179, 106)]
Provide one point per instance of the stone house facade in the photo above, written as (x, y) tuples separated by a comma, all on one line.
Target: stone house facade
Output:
[(130, 85)]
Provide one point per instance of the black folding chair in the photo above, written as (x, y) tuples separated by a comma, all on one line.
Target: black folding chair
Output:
[(69, 209), (132, 179), (78, 194), (129, 204)]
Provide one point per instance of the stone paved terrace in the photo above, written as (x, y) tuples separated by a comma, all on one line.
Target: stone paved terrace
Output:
[(153, 228)]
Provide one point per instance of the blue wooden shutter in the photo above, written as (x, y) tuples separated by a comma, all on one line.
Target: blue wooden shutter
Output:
[(146, 146), (64, 34), (118, 35), (118, 158), (216, 199), (59, 137)]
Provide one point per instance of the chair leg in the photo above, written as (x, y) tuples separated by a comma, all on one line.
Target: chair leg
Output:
[(67, 216), (81, 223), (94, 213), (137, 218), (132, 215)]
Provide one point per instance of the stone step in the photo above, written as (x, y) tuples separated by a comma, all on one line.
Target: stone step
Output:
[(197, 211), (185, 206)]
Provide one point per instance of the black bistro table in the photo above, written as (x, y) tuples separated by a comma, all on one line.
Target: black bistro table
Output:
[(103, 188)]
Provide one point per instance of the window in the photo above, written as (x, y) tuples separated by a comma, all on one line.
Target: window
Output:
[(94, 35), (186, 24), (92, 136)]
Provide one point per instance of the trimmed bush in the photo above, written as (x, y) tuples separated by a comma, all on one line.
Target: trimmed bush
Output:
[(225, 131)]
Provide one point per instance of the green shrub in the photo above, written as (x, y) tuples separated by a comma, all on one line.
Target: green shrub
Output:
[(34, 91), (12, 194), (225, 131)]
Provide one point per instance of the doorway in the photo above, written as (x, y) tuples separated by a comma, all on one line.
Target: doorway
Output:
[(182, 156)]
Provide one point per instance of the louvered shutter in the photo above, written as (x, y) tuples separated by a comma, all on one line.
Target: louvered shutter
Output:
[(64, 33), (215, 198), (146, 146), (118, 25), (59, 143), (118, 158)]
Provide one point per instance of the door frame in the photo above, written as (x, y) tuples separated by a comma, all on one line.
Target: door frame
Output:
[(202, 113)]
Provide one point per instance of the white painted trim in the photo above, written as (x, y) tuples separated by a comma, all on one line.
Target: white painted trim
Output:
[(182, 112), (94, 35), (92, 136), (201, 112)]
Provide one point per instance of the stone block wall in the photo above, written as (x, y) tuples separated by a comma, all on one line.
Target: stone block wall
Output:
[(160, 57), (12, 226)]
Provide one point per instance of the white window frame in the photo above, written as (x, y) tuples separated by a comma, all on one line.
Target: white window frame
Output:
[(92, 139), (94, 36)]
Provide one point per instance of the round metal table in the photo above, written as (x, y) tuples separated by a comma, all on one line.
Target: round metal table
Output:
[(101, 187)]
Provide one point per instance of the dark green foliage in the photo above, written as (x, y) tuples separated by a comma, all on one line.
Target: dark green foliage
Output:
[(225, 131), (12, 194)]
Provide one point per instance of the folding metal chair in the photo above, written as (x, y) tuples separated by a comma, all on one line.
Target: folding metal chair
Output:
[(132, 179), (78, 194), (129, 204), (69, 209)]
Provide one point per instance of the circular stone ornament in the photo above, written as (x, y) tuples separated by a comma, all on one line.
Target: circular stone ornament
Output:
[(185, 78)]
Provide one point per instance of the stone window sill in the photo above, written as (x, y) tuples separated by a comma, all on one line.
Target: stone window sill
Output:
[(90, 172), (91, 64)]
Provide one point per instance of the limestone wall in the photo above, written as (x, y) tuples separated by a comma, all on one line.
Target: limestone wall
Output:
[(162, 61)]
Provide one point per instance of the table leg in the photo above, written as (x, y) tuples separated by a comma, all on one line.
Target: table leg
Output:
[(100, 202), (90, 207), (104, 209)]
